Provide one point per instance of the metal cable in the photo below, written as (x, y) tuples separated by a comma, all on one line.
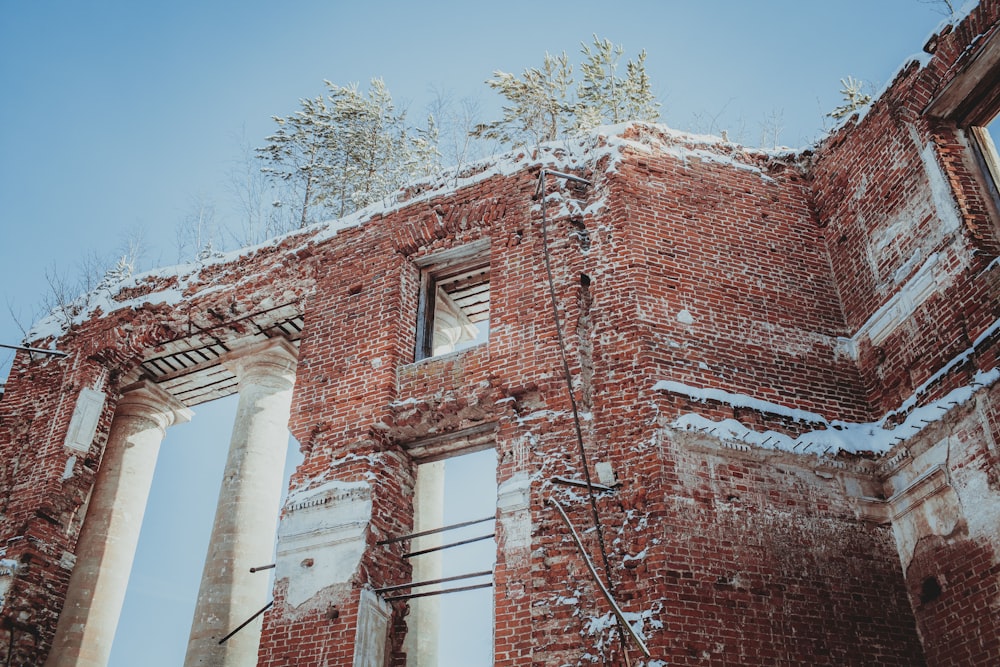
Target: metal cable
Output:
[(540, 191)]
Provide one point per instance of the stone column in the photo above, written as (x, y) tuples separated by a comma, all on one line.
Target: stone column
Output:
[(423, 623), (247, 513), (108, 539)]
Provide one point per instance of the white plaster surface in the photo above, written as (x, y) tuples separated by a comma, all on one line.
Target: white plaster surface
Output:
[(321, 537), (513, 501), (373, 630), (83, 424)]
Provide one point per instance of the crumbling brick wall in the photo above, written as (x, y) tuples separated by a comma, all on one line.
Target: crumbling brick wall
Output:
[(716, 307), (906, 208)]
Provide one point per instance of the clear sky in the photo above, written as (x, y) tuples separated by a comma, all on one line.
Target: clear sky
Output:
[(115, 116)]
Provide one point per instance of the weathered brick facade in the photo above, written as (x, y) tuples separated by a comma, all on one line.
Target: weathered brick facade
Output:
[(732, 321)]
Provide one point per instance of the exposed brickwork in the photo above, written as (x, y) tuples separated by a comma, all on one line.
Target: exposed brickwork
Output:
[(842, 283)]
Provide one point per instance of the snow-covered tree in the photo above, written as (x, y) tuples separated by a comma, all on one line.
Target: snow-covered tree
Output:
[(538, 106), (543, 104), (853, 98), (376, 151), (299, 154), (603, 96), (346, 150)]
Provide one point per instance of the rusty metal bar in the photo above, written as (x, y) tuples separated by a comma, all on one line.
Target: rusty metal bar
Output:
[(434, 531), (247, 622), (262, 567), (410, 596), (582, 484), (23, 348), (419, 584), (623, 625), (449, 546), (569, 177)]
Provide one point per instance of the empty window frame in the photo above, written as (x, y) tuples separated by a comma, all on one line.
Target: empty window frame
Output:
[(453, 312), (986, 137), (972, 101)]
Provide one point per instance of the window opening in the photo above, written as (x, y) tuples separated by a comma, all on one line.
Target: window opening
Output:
[(987, 136), (454, 306), (166, 575), (971, 99), (458, 494)]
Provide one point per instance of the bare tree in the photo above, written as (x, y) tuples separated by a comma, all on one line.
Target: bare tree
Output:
[(706, 122), (59, 297), (456, 119), (771, 128), (944, 7), (259, 204), (197, 230)]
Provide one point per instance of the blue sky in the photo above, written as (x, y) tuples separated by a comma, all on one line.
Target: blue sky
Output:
[(117, 115)]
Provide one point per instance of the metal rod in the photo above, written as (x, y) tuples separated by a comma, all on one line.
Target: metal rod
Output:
[(410, 596), (435, 531), (419, 584), (615, 609), (569, 177), (540, 187), (247, 622), (577, 429), (448, 546), (22, 348), (581, 484), (262, 567)]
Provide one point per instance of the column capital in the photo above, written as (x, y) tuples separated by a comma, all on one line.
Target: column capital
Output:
[(271, 363), (145, 399)]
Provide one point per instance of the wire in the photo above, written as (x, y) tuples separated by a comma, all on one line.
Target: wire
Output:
[(540, 191)]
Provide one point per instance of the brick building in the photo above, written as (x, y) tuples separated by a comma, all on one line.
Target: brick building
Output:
[(754, 392)]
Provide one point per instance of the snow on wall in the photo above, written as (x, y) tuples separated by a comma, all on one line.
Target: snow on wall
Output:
[(836, 436), (605, 143)]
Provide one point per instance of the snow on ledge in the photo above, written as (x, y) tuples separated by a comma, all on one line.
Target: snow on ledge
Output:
[(737, 401), (876, 437), (839, 436), (586, 150)]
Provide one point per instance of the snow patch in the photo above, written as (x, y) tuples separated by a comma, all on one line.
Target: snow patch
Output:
[(605, 626), (839, 436), (737, 400)]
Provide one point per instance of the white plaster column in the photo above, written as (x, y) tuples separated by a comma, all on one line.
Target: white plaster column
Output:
[(110, 532), (247, 512), (423, 623)]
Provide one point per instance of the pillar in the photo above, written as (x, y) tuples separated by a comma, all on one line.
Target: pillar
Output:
[(247, 511), (110, 533), (423, 623)]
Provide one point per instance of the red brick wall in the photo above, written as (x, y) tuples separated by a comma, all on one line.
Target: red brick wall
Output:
[(875, 206), (728, 555), (874, 201)]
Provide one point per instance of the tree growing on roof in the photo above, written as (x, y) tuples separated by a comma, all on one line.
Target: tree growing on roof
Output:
[(603, 96), (538, 105), (853, 98), (545, 104), (343, 151)]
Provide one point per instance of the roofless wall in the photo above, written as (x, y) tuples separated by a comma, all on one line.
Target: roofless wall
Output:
[(759, 389)]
